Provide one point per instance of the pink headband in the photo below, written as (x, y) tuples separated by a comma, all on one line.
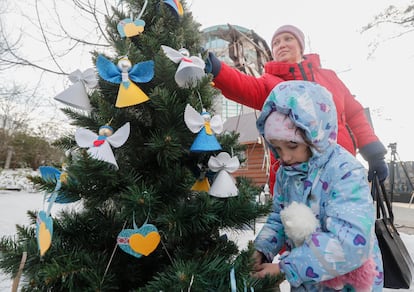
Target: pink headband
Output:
[(279, 126)]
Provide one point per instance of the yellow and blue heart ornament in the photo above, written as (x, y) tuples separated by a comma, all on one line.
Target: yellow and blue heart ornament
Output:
[(129, 28), (139, 241)]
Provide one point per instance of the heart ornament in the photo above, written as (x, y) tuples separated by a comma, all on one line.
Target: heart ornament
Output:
[(129, 28), (139, 241), (44, 232)]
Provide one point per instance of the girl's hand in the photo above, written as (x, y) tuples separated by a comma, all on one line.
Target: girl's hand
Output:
[(266, 269), (257, 258)]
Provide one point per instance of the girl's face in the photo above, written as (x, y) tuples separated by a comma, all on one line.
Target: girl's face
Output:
[(286, 48), (291, 152)]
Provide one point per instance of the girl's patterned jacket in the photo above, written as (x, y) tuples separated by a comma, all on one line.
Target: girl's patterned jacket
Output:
[(333, 183)]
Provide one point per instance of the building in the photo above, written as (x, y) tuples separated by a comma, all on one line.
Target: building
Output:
[(238, 47), (243, 49), (257, 159)]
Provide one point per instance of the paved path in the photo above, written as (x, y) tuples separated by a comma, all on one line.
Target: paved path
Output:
[(404, 217)]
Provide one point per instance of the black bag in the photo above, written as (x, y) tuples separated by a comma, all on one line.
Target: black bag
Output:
[(398, 265)]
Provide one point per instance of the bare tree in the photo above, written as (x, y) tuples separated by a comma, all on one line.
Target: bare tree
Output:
[(4, 47), (59, 30), (41, 39), (402, 17), (18, 107)]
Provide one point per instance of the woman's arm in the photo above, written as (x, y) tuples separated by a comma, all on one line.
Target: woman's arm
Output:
[(245, 89)]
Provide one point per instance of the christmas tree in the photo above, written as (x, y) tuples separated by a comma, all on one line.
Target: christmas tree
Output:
[(144, 224)]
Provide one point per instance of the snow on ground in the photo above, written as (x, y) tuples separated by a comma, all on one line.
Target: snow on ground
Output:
[(14, 206), (17, 179)]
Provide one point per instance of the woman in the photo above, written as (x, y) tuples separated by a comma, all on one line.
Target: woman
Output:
[(288, 44)]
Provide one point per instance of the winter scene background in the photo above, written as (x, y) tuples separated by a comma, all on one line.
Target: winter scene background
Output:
[(18, 195), (346, 53)]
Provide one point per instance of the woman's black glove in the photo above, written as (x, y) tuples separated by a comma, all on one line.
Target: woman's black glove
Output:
[(213, 64), (374, 154)]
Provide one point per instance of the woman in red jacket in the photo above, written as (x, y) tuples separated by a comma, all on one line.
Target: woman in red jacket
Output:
[(288, 43)]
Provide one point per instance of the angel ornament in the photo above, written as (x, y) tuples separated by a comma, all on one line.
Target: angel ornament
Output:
[(123, 74), (224, 184), (76, 95), (206, 127), (190, 68), (52, 174), (100, 145), (201, 184)]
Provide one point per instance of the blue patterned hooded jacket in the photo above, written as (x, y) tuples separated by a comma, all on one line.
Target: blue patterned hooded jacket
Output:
[(333, 183)]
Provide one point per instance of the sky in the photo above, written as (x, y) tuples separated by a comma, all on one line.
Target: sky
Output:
[(332, 29)]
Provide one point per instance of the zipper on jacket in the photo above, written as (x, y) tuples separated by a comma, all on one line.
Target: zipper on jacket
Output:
[(292, 71), (302, 71), (311, 70)]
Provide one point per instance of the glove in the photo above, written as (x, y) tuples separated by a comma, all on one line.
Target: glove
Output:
[(374, 154), (213, 64), (378, 167)]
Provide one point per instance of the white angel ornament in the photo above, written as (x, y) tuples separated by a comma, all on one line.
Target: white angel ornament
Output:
[(224, 184), (100, 145), (76, 95), (206, 127), (190, 68)]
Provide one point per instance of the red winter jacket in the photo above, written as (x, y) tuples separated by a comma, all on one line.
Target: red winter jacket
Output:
[(354, 130)]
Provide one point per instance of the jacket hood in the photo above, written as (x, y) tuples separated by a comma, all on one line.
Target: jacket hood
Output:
[(311, 108)]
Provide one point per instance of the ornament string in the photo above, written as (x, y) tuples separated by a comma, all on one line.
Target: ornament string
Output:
[(166, 250), (162, 242), (191, 283), (199, 98), (112, 257), (143, 9)]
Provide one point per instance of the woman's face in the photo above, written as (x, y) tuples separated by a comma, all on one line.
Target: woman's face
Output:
[(286, 48), (291, 152)]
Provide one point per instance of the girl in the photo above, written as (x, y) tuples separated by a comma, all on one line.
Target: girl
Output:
[(299, 123)]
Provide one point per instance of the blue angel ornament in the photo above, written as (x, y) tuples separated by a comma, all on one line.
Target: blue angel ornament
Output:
[(123, 74), (206, 127), (52, 174)]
